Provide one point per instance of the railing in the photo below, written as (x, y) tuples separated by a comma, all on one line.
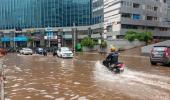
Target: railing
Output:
[(2, 79)]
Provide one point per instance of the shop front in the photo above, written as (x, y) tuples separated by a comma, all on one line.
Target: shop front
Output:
[(5, 42), (20, 41)]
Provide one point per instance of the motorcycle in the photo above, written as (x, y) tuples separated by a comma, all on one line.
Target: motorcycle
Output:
[(116, 68)]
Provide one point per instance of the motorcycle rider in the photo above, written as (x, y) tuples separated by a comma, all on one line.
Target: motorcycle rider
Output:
[(112, 59)]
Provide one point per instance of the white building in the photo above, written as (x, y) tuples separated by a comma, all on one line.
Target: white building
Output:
[(121, 16)]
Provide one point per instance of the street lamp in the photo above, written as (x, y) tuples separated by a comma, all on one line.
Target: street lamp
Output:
[(74, 36)]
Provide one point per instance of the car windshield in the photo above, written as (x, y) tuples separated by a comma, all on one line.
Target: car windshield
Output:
[(27, 49), (40, 49), (161, 49), (65, 49)]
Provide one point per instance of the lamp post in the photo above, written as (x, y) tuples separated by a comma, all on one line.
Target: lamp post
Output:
[(74, 36)]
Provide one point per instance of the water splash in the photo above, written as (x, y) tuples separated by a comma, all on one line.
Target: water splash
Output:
[(133, 83)]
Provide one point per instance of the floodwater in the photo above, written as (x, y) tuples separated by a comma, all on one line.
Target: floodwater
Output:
[(83, 78)]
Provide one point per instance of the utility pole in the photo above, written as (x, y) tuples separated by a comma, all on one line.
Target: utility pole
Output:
[(49, 39), (14, 40), (74, 34)]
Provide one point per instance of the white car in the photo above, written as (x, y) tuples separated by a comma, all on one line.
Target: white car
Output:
[(26, 51), (64, 52)]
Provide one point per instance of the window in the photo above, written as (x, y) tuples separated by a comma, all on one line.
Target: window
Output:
[(136, 17), (155, 8), (126, 15), (163, 29), (126, 26), (136, 5)]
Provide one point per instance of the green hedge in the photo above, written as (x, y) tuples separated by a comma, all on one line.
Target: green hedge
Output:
[(141, 36)]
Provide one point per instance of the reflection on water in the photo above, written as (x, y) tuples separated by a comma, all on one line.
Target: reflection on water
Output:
[(82, 78)]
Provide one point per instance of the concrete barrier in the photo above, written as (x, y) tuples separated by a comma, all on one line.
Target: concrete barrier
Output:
[(2, 78), (147, 49), (124, 44)]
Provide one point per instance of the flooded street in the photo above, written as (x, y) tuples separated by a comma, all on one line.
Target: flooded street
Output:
[(83, 78)]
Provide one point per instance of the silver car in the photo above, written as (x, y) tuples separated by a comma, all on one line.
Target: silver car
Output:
[(160, 54)]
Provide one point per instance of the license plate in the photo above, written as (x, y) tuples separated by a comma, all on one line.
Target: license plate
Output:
[(158, 55)]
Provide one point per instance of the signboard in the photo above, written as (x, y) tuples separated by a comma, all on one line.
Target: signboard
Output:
[(50, 37), (114, 37), (59, 45), (67, 36), (105, 36), (45, 37), (48, 29), (99, 41)]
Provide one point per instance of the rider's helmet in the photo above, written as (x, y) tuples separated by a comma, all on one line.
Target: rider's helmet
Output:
[(112, 49)]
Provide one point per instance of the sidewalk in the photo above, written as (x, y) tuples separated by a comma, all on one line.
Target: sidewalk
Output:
[(135, 52)]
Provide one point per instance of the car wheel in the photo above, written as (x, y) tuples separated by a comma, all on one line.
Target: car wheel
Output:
[(153, 63), (166, 63)]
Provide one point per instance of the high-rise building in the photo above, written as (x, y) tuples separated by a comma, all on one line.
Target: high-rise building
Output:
[(121, 16), (97, 18), (25, 19), (97, 11), (44, 13)]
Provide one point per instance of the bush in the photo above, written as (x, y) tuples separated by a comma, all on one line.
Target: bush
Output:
[(143, 36), (130, 35), (87, 41), (103, 44)]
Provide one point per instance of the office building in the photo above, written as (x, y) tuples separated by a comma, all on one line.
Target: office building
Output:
[(121, 16)]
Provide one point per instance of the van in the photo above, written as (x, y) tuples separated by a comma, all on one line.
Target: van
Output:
[(160, 54)]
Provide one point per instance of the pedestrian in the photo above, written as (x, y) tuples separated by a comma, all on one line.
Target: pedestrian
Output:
[(45, 52)]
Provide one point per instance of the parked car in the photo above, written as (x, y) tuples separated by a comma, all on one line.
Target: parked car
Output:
[(160, 54), (64, 52), (26, 51), (10, 49), (39, 50)]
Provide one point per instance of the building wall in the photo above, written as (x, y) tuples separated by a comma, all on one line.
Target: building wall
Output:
[(139, 15), (43, 13), (97, 11)]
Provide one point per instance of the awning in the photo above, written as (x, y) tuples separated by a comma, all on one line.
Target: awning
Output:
[(5, 39), (20, 38)]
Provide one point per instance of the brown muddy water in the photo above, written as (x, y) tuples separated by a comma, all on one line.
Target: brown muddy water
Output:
[(83, 78)]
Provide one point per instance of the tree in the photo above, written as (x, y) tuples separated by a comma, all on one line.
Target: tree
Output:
[(145, 36), (87, 41), (130, 35)]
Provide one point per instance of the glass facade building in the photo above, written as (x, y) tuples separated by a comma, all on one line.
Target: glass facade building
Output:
[(44, 13), (97, 11)]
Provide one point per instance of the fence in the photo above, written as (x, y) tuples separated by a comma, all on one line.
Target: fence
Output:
[(2, 78)]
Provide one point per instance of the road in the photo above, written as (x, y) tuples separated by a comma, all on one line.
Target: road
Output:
[(84, 78)]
